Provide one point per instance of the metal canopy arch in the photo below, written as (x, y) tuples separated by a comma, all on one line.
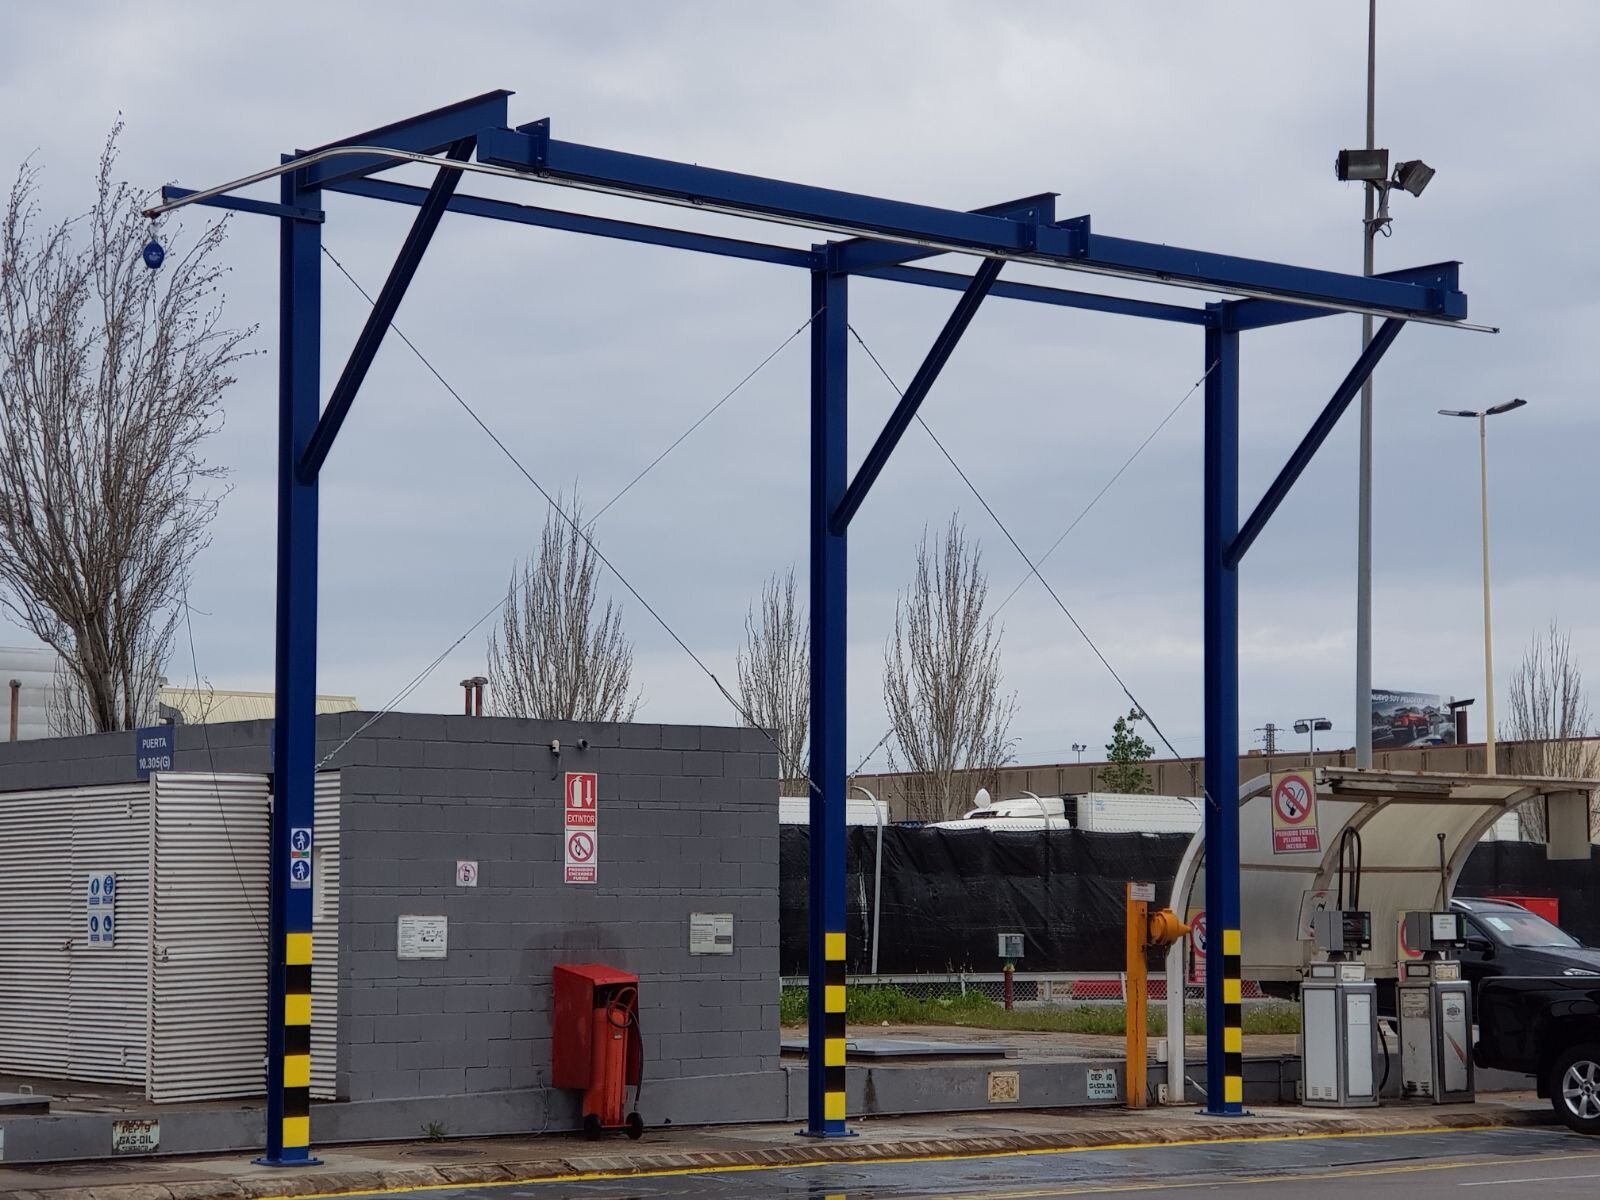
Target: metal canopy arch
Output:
[(1407, 820), (872, 237)]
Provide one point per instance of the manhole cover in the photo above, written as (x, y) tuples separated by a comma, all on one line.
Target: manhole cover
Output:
[(442, 1152)]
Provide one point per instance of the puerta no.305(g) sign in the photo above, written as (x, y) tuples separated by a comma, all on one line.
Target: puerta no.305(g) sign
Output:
[(152, 750), (1294, 813)]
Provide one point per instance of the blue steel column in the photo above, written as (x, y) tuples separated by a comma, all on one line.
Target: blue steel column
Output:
[(1224, 1045), (294, 727), (825, 1068)]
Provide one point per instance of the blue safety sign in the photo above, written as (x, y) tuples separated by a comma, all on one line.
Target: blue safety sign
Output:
[(152, 750), (299, 857), (99, 897)]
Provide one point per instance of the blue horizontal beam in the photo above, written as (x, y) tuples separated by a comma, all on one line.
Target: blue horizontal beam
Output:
[(550, 218), (1227, 272), (261, 208), (858, 255), (530, 148), (429, 214), (911, 399), (1444, 278), (1312, 442), (654, 235), (427, 133), (1040, 294), (1067, 244)]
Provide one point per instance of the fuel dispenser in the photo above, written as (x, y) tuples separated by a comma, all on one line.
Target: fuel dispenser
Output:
[(595, 1043), (1435, 1012), (1338, 1014)]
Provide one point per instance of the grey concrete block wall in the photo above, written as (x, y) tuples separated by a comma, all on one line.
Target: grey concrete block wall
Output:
[(687, 823)]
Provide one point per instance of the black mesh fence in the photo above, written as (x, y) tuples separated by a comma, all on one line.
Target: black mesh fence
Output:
[(947, 893)]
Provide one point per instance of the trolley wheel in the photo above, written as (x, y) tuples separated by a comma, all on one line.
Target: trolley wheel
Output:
[(635, 1126), (591, 1127)]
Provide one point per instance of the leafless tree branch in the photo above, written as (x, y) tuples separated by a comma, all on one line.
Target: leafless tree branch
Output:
[(1550, 721), (111, 378), (775, 675), (942, 679), (554, 656)]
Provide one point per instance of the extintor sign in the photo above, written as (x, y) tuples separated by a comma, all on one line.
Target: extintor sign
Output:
[(581, 831)]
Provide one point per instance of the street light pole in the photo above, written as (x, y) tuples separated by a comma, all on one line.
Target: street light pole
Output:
[(1369, 231), (1488, 640), (1483, 416)]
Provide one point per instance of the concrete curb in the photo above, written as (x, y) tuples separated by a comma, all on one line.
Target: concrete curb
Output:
[(801, 1153)]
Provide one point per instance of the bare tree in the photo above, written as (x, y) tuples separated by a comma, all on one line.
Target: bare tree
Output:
[(941, 681), (555, 657), (1550, 720), (775, 674), (111, 378)]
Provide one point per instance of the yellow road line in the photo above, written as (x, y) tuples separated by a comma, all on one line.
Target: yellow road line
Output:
[(1026, 1152)]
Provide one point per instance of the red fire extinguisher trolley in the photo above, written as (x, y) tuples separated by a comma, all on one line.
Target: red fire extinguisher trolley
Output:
[(595, 1043)]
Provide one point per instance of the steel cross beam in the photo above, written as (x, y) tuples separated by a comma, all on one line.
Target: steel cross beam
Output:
[(530, 149), (859, 255), (911, 399), (383, 311), (1312, 442)]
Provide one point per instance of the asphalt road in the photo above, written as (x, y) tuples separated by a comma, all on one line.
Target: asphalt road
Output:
[(1467, 1165)]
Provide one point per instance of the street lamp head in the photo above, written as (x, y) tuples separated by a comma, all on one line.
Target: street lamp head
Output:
[(1456, 412), (1413, 175), (1322, 724), (1302, 726), (1508, 406)]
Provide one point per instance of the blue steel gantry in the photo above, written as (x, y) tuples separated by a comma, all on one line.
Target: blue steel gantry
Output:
[(871, 237)]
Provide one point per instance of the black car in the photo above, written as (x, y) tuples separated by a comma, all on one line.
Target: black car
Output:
[(1506, 940)]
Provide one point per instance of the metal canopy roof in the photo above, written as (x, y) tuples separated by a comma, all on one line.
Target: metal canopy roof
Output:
[(1401, 817)]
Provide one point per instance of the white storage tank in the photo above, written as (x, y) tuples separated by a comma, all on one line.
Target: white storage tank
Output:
[(1117, 812)]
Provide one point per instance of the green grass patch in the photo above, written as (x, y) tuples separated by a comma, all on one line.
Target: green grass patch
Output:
[(891, 1005)]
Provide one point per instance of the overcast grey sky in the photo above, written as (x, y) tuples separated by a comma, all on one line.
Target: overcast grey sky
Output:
[(1210, 125)]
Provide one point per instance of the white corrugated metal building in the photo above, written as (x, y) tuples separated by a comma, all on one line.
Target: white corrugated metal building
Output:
[(170, 1000)]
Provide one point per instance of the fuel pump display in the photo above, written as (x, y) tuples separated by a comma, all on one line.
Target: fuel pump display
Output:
[(1436, 1012), (1338, 1014)]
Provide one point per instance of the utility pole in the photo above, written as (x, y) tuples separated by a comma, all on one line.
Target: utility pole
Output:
[(1369, 230), (1269, 737)]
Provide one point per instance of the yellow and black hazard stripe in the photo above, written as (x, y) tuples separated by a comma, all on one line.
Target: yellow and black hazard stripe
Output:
[(297, 1042), (1232, 1019), (833, 1031)]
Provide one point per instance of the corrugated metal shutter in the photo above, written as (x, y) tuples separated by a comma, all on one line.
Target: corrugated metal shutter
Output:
[(325, 941), (109, 986), (208, 970), (36, 925)]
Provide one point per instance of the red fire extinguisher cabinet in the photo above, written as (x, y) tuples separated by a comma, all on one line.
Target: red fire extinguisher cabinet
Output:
[(579, 989)]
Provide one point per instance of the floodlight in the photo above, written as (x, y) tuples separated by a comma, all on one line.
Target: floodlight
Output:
[(1413, 175), (1456, 412), (1371, 166), (1302, 726)]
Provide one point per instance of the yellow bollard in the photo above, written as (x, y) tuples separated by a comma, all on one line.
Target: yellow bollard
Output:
[(1144, 930)]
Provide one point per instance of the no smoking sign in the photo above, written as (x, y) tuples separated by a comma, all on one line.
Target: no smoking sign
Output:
[(1294, 814), (580, 856)]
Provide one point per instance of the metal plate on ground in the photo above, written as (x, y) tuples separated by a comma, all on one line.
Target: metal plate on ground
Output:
[(908, 1048)]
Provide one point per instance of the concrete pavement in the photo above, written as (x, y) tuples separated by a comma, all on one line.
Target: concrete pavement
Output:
[(749, 1150)]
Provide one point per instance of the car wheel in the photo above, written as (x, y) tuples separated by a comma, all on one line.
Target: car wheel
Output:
[(1575, 1088)]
